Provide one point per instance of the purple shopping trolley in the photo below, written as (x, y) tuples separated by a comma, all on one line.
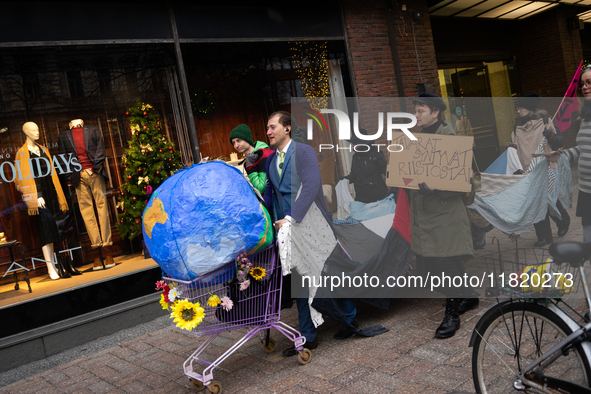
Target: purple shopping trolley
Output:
[(258, 309)]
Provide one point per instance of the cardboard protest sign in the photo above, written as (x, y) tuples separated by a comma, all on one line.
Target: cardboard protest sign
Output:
[(443, 162)]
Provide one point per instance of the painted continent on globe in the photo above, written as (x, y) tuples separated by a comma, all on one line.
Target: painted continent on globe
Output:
[(154, 214)]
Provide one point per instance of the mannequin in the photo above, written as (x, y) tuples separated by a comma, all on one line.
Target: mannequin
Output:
[(87, 145), (42, 193)]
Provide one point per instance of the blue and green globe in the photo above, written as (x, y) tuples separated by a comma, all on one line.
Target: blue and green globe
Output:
[(203, 217)]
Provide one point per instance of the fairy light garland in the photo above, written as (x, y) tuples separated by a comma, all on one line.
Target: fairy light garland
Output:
[(311, 66)]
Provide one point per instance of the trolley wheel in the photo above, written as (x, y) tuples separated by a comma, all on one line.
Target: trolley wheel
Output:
[(198, 385), (215, 387), (304, 356), (271, 347)]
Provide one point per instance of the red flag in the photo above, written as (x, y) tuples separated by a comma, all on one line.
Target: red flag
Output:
[(569, 103)]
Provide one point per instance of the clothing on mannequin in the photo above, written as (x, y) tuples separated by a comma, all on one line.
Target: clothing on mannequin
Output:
[(42, 193), (86, 144)]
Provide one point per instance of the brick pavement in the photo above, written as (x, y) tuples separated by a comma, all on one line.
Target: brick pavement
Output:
[(406, 359)]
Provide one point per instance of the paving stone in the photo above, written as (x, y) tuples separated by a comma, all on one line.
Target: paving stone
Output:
[(83, 390), (336, 370), (104, 372), (275, 377), (286, 383), (411, 388), (413, 371), (440, 382), (427, 353), (410, 344), (363, 386), (351, 375), (56, 376), (297, 390), (460, 359), (136, 387), (396, 365), (461, 374), (383, 379), (319, 385), (101, 387)]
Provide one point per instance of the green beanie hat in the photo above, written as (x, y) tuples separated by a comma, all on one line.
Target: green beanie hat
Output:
[(243, 132)]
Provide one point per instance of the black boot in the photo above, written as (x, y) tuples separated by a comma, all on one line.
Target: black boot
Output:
[(67, 263), (61, 271), (451, 320)]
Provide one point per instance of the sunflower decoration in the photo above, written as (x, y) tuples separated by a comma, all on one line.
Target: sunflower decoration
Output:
[(213, 301), (258, 273), (163, 302), (187, 315)]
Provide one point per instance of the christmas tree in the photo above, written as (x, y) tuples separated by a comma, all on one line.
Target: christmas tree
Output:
[(150, 159)]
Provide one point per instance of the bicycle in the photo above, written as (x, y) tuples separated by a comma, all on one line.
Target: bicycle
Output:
[(533, 341)]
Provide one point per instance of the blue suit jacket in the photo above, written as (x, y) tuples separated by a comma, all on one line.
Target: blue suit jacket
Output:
[(300, 169)]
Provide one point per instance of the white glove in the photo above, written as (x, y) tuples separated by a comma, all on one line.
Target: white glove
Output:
[(41, 202)]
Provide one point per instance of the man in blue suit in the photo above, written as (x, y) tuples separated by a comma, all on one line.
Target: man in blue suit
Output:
[(293, 166)]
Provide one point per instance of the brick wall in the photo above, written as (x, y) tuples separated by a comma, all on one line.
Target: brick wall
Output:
[(371, 55), (547, 54)]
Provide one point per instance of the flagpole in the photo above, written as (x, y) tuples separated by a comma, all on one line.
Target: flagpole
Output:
[(562, 101), (558, 109)]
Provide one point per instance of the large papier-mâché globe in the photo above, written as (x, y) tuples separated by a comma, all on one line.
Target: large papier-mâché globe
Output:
[(203, 217)]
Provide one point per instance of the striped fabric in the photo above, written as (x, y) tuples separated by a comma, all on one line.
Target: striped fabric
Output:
[(536, 160), (496, 183), (583, 152)]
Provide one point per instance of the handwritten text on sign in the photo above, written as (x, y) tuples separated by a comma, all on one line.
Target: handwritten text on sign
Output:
[(443, 162)]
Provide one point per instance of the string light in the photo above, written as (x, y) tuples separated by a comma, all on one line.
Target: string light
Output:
[(311, 66)]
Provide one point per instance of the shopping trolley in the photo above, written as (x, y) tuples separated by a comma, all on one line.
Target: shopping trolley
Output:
[(257, 308)]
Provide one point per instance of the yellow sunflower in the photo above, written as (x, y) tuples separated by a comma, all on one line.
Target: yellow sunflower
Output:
[(258, 273), (214, 301), (163, 302), (187, 315)]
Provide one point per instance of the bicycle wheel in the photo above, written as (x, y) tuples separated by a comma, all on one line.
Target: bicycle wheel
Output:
[(514, 334)]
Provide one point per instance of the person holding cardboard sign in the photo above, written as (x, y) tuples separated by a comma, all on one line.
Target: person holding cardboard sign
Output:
[(440, 228)]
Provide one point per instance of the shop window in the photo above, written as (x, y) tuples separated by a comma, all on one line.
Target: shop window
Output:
[(82, 85)]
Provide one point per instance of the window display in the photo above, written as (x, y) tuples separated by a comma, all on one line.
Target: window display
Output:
[(85, 144), (42, 194)]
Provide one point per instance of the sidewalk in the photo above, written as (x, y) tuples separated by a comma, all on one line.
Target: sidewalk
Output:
[(407, 359)]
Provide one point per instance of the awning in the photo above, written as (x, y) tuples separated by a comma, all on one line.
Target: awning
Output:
[(502, 9)]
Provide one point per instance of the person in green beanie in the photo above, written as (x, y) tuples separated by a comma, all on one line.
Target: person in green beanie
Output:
[(256, 155)]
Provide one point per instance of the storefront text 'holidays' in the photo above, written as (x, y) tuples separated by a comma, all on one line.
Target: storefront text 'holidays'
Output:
[(10, 172)]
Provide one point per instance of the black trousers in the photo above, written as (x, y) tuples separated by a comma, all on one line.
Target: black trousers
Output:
[(543, 229)]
